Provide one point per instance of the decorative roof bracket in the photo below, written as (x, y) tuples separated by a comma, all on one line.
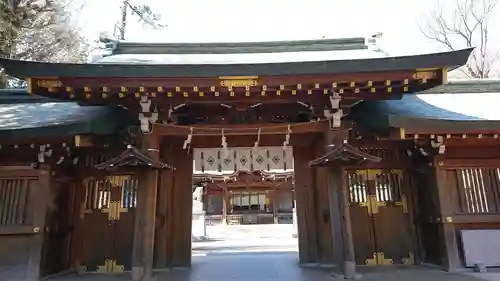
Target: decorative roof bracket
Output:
[(344, 154), (132, 158)]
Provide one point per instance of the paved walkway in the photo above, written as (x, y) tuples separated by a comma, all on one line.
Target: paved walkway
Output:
[(257, 253)]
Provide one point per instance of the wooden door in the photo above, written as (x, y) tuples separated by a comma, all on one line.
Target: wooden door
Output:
[(381, 224), (104, 229)]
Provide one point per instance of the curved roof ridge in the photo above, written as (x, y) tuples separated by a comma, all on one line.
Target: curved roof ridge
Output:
[(130, 47)]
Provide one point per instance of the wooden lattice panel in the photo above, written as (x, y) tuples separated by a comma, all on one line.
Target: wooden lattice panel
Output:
[(14, 194), (478, 189)]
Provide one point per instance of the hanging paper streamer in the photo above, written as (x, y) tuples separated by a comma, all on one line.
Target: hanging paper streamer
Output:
[(187, 142), (170, 111), (287, 137), (256, 144), (225, 151)]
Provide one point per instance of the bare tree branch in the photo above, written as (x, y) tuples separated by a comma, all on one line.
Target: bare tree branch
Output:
[(144, 13), (465, 24)]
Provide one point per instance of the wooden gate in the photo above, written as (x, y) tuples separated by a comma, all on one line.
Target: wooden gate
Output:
[(380, 219), (104, 229)]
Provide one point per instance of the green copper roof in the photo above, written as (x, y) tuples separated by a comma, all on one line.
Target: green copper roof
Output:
[(24, 116), (460, 106)]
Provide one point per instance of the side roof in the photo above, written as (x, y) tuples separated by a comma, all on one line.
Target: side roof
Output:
[(462, 106), (24, 116)]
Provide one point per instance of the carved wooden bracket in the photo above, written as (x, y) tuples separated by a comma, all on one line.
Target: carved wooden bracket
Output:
[(343, 154), (132, 158)]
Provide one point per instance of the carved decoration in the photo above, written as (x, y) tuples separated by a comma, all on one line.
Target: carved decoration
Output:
[(247, 177), (147, 117), (255, 177), (132, 158), (437, 142), (343, 153)]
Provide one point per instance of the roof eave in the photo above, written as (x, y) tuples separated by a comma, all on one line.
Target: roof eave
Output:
[(25, 69)]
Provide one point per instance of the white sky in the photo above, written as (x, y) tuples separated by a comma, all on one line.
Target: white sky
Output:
[(262, 20)]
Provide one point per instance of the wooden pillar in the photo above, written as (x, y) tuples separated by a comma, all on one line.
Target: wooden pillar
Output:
[(165, 186), (336, 216), (451, 260), (38, 200), (144, 228), (349, 257), (321, 185), (180, 200), (306, 221)]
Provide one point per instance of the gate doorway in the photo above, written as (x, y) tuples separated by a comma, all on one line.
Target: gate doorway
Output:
[(104, 224), (381, 224)]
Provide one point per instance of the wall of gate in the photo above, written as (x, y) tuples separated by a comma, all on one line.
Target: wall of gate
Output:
[(232, 159), (23, 200), (471, 210)]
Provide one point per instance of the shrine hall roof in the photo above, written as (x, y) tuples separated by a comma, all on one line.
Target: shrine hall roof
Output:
[(458, 107), (325, 56), (30, 116)]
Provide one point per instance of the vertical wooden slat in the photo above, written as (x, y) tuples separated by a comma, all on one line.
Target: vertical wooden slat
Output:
[(24, 200), (3, 201), (495, 185), (460, 190), (9, 205)]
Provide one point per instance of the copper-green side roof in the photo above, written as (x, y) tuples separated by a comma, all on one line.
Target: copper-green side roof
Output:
[(462, 106), (24, 116)]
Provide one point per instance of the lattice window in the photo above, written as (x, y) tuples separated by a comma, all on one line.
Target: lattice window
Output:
[(357, 188), (388, 187), (478, 190), (14, 194), (97, 194), (129, 193)]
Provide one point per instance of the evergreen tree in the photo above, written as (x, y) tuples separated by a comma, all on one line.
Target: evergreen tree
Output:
[(39, 30)]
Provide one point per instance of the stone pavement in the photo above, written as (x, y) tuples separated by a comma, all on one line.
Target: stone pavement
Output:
[(277, 266), (269, 253)]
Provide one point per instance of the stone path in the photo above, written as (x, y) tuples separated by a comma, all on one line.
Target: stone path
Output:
[(268, 266), (269, 253)]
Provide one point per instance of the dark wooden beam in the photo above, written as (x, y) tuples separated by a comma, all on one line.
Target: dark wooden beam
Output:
[(189, 82), (298, 140), (239, 130)]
